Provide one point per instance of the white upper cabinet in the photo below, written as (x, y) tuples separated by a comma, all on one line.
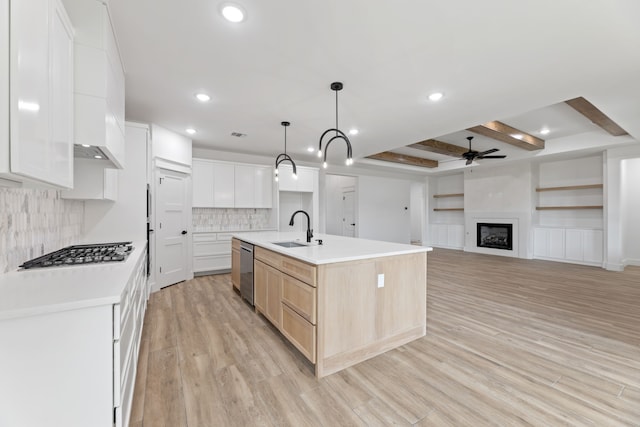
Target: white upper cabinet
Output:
[(305, 181), (253, 186), (93, 182), (36, 65), (228, 185), (99, 80)]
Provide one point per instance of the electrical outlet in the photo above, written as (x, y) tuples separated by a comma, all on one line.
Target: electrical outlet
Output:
[(381, 280)]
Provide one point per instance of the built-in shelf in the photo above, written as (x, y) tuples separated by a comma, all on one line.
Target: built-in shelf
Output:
[(448, 209), (437, 196), (569, 187), (556, 208)]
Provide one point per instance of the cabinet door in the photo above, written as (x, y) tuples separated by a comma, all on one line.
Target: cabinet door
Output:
[(263, 179), (260, 286), (202, 182), (556, 243), (540, 242), (29, 88), (573, 245), (592, 240), (223, 185), (286, 181), (274, 296), (60, 167), (235, 268), (306, 180), (244, 177)]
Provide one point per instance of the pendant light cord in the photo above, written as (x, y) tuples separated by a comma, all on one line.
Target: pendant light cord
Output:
[(337, 127)]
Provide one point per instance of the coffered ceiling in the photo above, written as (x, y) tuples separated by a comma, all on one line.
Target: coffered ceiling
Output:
[(498, 63)]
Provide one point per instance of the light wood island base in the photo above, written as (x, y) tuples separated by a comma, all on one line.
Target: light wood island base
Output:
[(336, 314)]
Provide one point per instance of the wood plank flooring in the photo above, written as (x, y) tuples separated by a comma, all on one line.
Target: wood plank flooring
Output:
[(509, 342)]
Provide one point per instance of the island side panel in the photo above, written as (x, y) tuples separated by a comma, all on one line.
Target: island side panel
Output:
[(358, 320)]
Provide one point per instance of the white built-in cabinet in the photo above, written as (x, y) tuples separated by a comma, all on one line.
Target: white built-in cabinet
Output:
[(447, 235), (93, 182), (211, 252), (99, 80), (575, 245), (36, 84), (305, 181), (229, 185)]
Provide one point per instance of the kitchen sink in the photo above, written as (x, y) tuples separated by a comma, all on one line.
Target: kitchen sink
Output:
[(289, 244)]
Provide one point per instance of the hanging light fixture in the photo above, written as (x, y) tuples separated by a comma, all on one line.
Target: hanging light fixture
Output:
[(284, 157), (336, 87)]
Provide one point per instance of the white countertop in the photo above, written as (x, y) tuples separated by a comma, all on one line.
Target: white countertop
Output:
[(51, 289), (334, 248)]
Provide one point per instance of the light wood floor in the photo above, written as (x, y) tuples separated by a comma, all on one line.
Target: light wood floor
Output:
[(509, 342)]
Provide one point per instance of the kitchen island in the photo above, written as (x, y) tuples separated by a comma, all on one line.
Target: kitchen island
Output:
[(343, 301)]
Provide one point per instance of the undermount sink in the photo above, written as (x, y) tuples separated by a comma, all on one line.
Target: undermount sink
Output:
[(289, 244)]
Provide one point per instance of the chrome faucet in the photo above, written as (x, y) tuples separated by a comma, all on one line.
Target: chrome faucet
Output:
[(309, 230)]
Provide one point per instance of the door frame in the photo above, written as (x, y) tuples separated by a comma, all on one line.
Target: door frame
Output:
[(161, 167)]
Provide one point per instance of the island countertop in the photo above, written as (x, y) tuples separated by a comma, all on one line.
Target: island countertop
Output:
[(333, 249)]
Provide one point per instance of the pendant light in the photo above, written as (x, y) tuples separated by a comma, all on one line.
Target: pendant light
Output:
[(336, 87), (284, 157)]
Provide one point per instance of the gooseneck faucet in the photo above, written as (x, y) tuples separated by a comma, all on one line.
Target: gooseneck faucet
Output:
[(309, 230)]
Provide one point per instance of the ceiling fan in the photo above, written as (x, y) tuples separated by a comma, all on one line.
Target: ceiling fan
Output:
[(471, 155)]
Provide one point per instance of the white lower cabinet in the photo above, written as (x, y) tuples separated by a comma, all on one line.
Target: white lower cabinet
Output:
[(447, 235), (211, 252), (575, 245), (74, 368)]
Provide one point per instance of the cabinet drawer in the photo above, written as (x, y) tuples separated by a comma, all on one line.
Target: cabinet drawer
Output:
[(301, 333), (213, 262), (299, 270), (212, 248), (204, 237), (300, 297), (268, 257)]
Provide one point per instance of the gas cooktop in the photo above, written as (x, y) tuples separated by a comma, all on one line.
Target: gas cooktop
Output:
[(82, 254)]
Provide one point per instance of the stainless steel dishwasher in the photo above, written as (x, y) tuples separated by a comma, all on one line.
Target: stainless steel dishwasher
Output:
[(246, 271)]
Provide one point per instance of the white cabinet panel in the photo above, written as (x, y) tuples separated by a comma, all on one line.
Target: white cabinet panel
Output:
[(93, 182), (202, 182), (447, 235), (40, 86), (583, 246), (593, 246), (211, 252), (244, 186), (305, 181), (263, 181), (223, 185), (573, 245), (556, 243)]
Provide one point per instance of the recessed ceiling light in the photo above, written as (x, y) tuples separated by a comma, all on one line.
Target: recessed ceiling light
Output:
[(232, 12), (516, 136), (202, 97), (311, 149), (354, 131), (190, 131), (544, 131), (436, 96), (97, 156), (85, 145)]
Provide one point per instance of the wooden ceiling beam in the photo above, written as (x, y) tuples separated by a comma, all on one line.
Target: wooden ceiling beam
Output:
[(596, 116), (388, 156), (439, 147), (504, 133)]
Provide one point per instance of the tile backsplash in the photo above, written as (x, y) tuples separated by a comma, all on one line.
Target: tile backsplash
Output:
[(35, 222), (214, 219)]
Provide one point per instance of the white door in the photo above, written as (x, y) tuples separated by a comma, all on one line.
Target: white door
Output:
[(171, 228), (348, 214)]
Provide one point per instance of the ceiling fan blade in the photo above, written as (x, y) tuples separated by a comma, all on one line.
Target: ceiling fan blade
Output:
[(491, 157), (469, 161), (493, 150)]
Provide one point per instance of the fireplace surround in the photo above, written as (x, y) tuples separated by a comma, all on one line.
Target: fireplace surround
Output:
[(494, 235)]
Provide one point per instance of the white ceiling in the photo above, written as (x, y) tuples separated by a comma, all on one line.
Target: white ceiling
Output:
[(512, 61)]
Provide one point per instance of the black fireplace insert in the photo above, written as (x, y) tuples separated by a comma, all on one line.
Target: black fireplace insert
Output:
[(496, 236)]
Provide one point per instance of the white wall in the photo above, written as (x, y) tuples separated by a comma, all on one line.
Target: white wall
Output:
[(126, 218), (334, 185), (417, 209), (501, 193), (383, 209), (630, 189)]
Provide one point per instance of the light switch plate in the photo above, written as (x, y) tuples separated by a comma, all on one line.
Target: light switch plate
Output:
[(381, 280)]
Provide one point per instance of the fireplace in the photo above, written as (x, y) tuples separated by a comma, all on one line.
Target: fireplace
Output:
[(496, 236)]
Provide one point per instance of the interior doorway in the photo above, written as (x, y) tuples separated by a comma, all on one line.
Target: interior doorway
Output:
[(341, 213), (172, 220)]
